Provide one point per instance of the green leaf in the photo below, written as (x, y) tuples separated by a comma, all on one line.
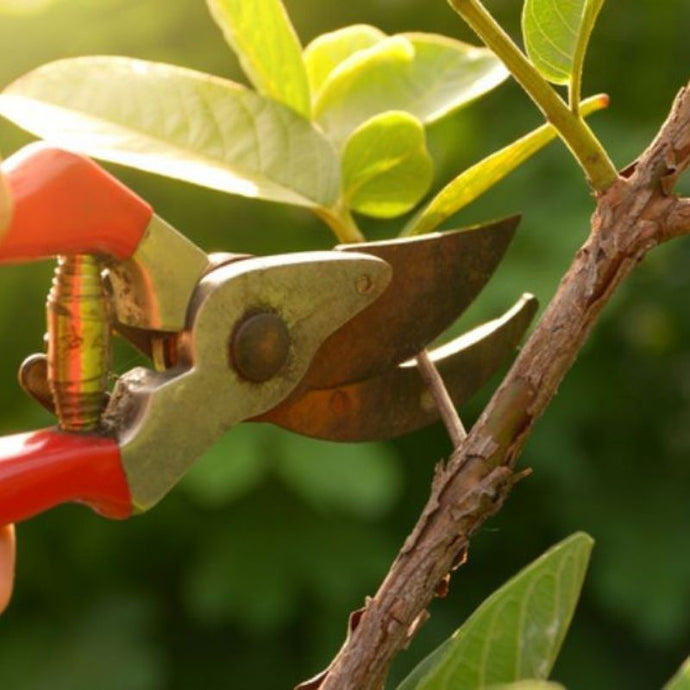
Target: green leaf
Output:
[(327, 51), (681, 681), (268, 48), (556, 34), (517, 632), (386, 167), (425, 75), (473, 182), (179, 123)]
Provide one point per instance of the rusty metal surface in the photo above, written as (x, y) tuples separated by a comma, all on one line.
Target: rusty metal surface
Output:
[(164, 421), (435, 278), (397, 402), (350, 318), (151, 290)]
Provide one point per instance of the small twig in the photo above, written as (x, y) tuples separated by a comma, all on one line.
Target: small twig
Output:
[(444, 404)]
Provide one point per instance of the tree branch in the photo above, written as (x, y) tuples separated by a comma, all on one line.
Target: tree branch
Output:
[(635, 214), (679, 219)]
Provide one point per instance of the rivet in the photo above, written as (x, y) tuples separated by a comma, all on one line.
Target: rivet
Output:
[(339, 403), (260, 347), (363, 284)]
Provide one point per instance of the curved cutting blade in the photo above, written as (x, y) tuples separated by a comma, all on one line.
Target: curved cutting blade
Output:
[(435, 278), (398, 401)]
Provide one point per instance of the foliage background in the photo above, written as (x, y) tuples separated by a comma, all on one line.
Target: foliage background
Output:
[(245, 574)]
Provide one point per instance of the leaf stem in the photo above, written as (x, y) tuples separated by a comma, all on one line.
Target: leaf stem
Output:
[(574, 93), (587, 149), (340, 221)]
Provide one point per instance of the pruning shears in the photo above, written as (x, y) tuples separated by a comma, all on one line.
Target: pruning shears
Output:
[(321, 343)]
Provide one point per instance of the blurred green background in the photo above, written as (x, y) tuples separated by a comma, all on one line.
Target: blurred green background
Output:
[(245, 574)]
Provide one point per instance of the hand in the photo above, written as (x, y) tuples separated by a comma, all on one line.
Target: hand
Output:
[(5, 204), (6, 565), (7, 532)]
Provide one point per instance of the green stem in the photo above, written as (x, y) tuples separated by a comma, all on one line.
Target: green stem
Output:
[(587, 149), (340, 220), (574, 93)]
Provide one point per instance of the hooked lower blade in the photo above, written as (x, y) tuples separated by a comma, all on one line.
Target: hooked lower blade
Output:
[(398, 401), (435, 278)]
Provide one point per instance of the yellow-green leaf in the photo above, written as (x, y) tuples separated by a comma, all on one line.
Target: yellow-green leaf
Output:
[(556, 34), (425, 75), (473, 182), (517, 632), (329, 50), (386, 168), (178, 123), (262, 36), (681, 681)]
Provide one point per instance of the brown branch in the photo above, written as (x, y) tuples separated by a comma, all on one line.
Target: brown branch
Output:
[(679, 219), (633, 216)]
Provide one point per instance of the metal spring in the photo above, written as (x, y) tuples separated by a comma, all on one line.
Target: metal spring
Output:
[(78, 342)]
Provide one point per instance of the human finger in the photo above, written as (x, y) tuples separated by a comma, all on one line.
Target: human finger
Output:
[(7, 555), (5, 204)]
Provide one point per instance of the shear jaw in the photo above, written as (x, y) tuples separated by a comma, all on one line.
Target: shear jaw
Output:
[(165, 420), (151, 290)]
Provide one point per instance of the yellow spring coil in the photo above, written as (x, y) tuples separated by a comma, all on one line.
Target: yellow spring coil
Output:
[(78, 342)]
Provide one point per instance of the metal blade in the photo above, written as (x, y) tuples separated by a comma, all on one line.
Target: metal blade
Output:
[(398, 402), (163, 421), (435, 278)]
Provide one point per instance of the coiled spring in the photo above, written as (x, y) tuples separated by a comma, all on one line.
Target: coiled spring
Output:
[(79, 350)]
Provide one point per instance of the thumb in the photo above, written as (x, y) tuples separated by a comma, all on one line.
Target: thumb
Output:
[(6, 564), (5, 204)]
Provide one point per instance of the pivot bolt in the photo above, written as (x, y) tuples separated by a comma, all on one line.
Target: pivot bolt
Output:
[(260, 347)]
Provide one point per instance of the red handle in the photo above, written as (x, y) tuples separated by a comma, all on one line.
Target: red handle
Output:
[(65, 203), (41, 469)]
